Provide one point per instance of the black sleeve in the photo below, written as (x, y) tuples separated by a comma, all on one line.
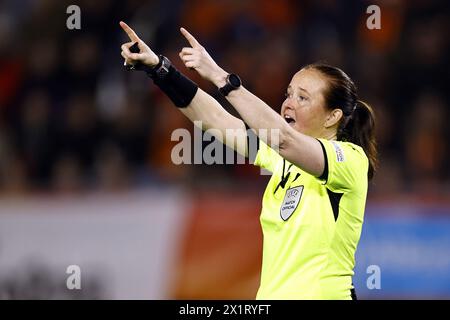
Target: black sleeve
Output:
[(251, 136), (324, 175), (179, 88)]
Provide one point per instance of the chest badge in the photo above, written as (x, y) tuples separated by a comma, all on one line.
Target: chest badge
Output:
[(290, 202)]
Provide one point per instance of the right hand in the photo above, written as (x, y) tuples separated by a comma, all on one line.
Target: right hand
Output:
[(145, 56)]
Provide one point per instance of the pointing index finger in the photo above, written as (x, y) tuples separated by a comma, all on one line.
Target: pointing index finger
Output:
[(131, 34), (190, 38)]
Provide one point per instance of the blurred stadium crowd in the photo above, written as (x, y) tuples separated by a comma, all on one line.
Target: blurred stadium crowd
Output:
[(73, 120)]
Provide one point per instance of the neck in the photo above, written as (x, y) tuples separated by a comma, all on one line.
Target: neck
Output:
[(329, 135)]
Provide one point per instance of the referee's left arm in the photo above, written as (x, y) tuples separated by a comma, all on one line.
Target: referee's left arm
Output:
[(302, 150)]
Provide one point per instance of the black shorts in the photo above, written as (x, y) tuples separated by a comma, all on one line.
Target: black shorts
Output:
[(353, 294)]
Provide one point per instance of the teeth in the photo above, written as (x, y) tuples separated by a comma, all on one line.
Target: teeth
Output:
[(288, 119)]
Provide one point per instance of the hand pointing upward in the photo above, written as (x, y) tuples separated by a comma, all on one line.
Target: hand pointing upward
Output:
[(145, 56), (196, 57)]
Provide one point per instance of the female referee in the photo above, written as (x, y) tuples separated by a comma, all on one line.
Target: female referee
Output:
[(313, 207)]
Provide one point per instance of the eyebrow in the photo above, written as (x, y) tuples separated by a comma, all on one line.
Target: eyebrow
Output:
[(290, 87), (303, 90)]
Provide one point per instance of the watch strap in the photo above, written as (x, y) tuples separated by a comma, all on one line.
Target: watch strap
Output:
[(228, 87)]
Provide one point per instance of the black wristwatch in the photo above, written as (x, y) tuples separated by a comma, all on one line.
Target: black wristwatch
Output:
[(233, 83), (161, 70)]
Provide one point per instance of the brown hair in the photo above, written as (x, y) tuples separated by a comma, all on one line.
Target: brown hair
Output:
[(358, 123)]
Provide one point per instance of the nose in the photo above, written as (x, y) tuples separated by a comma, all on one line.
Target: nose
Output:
[(287, 104)]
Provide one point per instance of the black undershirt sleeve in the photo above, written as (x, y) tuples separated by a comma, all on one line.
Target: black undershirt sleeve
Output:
[(251, 157), (324, 175)]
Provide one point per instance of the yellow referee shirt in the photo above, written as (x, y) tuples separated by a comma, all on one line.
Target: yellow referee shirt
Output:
[(311, 226)]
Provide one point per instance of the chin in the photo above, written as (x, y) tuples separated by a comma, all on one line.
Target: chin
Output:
[(297, 128)]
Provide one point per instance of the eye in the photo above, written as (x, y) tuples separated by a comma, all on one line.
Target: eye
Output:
[(302, 98)]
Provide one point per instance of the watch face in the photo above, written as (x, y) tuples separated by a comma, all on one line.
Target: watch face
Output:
[(164, 68), (234, 80)]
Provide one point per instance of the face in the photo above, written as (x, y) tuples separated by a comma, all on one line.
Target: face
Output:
[(304, 107)]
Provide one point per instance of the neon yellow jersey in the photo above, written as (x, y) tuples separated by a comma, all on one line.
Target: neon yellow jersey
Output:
[(311, 226)]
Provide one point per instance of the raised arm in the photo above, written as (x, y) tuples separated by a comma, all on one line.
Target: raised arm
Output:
[(300, 149), (202, 108)]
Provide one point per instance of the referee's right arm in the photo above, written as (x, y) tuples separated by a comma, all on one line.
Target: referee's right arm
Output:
[(202, 107)]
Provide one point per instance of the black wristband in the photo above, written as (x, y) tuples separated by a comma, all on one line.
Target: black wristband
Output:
[(179, 88)]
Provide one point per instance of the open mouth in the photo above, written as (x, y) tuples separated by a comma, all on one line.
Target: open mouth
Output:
[(289, 120)]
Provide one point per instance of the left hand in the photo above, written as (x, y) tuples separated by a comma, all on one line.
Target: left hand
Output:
[(196, 57)]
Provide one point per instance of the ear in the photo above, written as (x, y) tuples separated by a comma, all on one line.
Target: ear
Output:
[(333, 118)]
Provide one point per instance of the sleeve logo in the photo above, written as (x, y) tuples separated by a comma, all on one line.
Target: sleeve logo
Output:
[(339, 153)]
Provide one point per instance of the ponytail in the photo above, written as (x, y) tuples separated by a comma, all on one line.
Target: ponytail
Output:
[(360, 130), (358, 122)]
